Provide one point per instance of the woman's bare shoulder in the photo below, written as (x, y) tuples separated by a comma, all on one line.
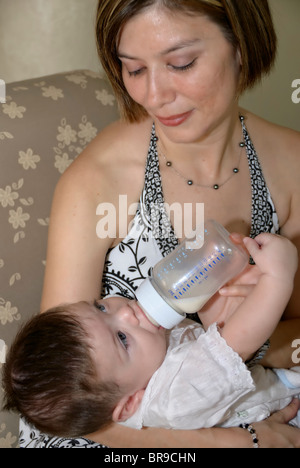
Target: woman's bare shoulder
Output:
[(278, 150), (276, 140), (118, 139), (117, 152)]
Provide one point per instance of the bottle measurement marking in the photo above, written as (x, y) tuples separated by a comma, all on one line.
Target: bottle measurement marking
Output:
[(199, 275)]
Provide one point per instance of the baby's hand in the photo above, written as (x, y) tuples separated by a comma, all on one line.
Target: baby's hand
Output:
[(274, 255)]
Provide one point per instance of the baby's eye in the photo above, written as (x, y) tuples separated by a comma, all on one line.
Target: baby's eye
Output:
[(123, 339), (100, 306)]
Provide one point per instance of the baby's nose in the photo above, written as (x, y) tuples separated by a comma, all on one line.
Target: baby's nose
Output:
[(127, 314)]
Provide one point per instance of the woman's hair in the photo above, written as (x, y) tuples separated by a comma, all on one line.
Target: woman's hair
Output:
[(247, 25), (50, 377)]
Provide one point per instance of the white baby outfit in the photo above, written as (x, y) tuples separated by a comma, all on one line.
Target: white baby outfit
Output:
[(149, 240), (203, 383)]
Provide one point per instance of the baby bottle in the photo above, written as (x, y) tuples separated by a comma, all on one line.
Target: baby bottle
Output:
[(188, 277)]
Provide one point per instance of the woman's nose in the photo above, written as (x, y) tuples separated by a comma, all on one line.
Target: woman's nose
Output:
[(159, 90)]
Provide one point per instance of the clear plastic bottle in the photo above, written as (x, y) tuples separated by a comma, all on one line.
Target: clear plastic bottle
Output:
[(189, 276)]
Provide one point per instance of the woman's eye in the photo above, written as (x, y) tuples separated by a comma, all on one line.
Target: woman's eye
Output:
[(135, 72), (185, 67), (100, 306), (189, 65), (123, 339)]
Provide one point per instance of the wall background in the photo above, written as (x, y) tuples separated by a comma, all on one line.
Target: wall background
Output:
[(40, 37), (272, 99)]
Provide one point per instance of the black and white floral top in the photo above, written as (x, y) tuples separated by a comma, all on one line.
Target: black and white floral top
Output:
[(151, 238)]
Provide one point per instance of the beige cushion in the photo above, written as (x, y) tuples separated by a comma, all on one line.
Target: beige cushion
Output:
[(44, 124)]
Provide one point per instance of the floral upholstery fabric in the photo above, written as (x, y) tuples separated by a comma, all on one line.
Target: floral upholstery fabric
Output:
[(44, 125)]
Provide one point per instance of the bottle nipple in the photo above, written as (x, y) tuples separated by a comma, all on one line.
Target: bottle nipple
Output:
[(151, 319), (155, 307)]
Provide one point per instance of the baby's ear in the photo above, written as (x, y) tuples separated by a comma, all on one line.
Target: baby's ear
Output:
[(127, 406)]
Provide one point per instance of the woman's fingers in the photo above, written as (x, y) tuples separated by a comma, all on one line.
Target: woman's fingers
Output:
[(285, 415), (236, 290)]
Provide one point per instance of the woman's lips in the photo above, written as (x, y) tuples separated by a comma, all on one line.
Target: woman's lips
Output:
[(174, 120)]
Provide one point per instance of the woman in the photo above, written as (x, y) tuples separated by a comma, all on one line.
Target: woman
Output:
[(178, 68)]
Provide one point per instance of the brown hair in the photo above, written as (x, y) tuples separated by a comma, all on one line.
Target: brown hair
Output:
[(247, 24), (50, 377)]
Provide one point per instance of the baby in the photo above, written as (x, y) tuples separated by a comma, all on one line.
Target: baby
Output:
[(78, 367)]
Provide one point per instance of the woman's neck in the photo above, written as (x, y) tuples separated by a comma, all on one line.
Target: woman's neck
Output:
[(208, 157)]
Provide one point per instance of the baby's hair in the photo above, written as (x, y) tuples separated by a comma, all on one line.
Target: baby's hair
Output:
[(51, 379)]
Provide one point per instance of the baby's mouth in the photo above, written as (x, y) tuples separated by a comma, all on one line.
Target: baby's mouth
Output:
[(140, 312)]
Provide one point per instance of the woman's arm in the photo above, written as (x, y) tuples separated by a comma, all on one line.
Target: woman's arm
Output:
[(288, 330), (272, 433), (291, 230), (289, 170), (76, 253), (109, 166)]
